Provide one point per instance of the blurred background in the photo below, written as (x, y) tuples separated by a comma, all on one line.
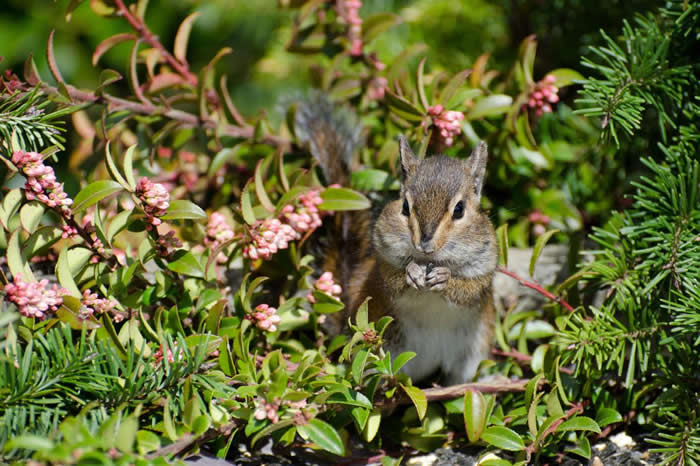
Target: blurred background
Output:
[(260, 70)]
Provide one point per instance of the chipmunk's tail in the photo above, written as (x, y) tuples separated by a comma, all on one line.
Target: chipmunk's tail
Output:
[(335, 136)]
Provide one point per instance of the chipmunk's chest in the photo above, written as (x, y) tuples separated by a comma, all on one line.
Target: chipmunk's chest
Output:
[(444, 335)]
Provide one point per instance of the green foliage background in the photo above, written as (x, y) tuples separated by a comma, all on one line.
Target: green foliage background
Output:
[(614, 168)]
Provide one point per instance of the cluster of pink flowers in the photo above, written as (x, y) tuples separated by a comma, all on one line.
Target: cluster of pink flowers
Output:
[(349, 10), (218, 231), (41, 181), (68, 231), (539, 222), (306, 217), (34, 299), (268, 410), (447, 122), (542, 95), (271, 235), (377, 88), (268, 237), (92, 304), (155, 199), (327, 284), (265, 317)]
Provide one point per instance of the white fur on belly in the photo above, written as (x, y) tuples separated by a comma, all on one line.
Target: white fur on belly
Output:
[(442, 334)]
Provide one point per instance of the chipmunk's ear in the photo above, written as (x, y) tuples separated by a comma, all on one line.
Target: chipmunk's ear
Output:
[(476, 167), (409, 161)]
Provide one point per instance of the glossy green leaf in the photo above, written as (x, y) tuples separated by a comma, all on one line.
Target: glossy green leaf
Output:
[(129, 166), (492, 105), (452, 86), (247, 206), (565, 76), (93, 193), (186, 263), (374, 25), (182, 37), (579, 423), (474, 414), (502, 237), (30, 215), (372, 179), (17, 264), (403, 107), (606, 416), (323, 435), (504, 438), (147, 441), (338, 199), (326, 304), (181, 209), (418, 398)]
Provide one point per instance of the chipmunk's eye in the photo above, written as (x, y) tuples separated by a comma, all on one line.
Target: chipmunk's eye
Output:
[(459, 211), (404, 210)]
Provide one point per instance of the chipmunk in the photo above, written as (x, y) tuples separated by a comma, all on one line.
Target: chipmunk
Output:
[(429, 258)]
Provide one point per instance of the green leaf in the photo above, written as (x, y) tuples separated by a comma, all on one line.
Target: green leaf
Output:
[(418, 398), (504, 438), (10, 204), (372, 179), (358, 365), (323, 435), (326, 304), (260, 189), (403, 107), (496, 104), (453, 85), (183, 36), (118, 223), (181, 209), (147, 441), (127, 434), (221, 157), (113, 169), (246, 206), (30, 216), (94, 193), (474, 414), (343, 199), (372, 426), (129, 166), (29, 442), (502, 236), (606, 416), (565, 76), (579, 423), (420, 86), (401, 360), (537, 250), (186, 264), (18, 265), (40, 240)]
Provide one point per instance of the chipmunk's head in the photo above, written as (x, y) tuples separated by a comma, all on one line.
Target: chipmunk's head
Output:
[(440, 205)]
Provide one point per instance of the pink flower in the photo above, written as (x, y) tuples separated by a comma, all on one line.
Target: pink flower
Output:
[(349, 12), (34, 299), (218, 231), (158, 355), (542, 95), (306, 217), (92, 304), (447, 122), (155, 199), (267, 410), (265, 317), (267, 237), (41, 181), (377, 87), (327, 284)]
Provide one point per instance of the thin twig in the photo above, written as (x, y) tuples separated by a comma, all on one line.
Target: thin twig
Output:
[(456, 391), (537, 287), (152, 40)]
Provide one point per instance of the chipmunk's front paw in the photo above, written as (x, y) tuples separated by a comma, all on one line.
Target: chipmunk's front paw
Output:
[(437, 278), (415, 276)]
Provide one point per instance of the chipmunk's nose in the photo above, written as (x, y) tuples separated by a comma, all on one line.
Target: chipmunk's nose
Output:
[(426, 243)]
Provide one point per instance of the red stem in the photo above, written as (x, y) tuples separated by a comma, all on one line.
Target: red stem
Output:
[(537, 287), (151, 39), (576, 409)]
